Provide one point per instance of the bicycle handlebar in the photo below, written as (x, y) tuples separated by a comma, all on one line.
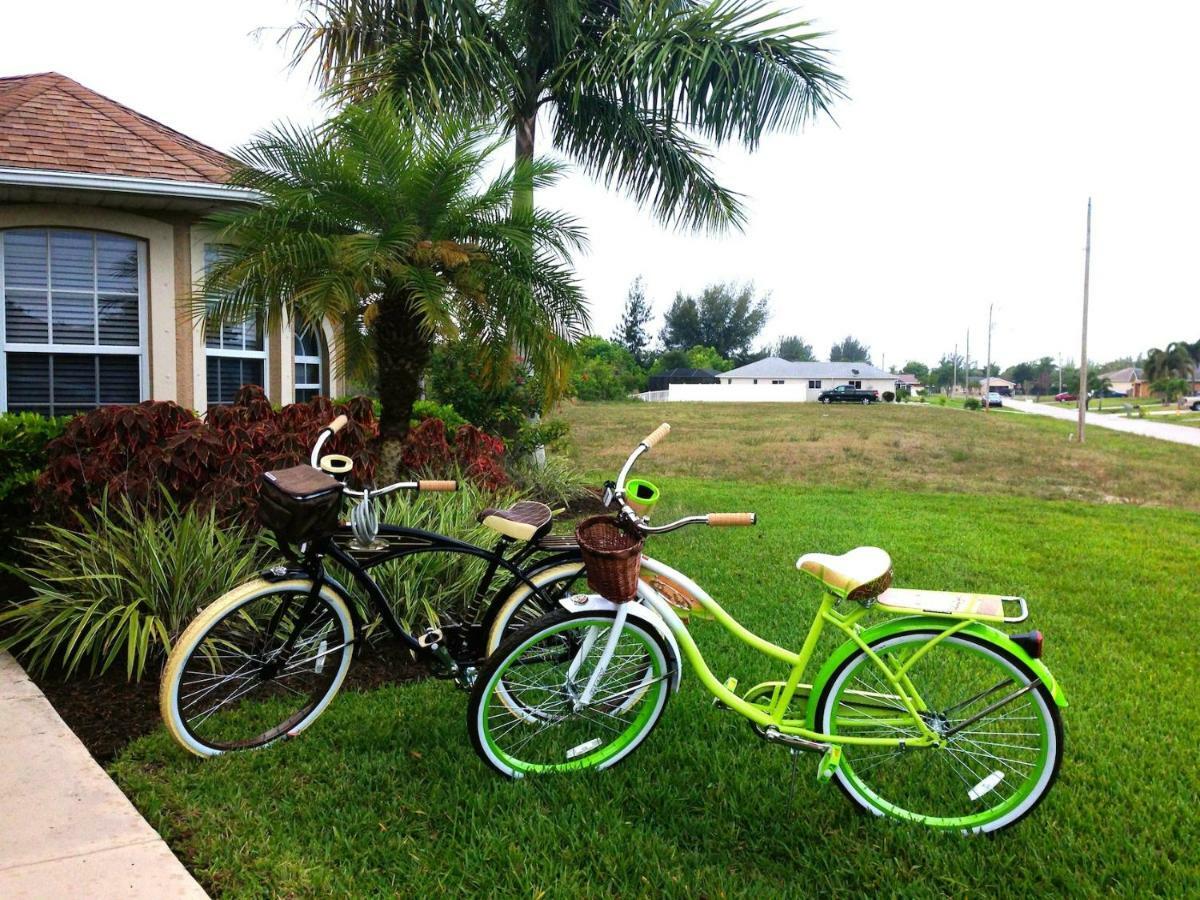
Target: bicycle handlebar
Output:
[(713, 520), (337, 425), (652, 439)]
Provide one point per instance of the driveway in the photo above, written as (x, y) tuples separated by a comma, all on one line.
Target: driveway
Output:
[(1179, 434)]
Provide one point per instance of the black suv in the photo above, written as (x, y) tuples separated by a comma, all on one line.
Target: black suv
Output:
[(845, 393)]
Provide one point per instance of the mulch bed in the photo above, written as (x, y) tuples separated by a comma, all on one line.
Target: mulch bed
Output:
[(107, 712)]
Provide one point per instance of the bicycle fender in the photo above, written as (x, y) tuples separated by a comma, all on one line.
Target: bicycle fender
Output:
[(596, 603), (910, 623)]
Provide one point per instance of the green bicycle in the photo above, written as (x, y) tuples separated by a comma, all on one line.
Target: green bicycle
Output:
[(933, 716)]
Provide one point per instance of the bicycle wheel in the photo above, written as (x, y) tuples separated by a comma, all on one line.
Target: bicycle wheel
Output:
[(524, 606), (525, 715), (253, 667), (985, 776)]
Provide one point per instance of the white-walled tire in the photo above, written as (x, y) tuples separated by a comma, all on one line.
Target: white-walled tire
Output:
[(521, 715), (228, 683), (986, 775)]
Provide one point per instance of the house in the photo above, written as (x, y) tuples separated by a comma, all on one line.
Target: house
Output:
[(100, 249), (997, 385), (909, 381), (775, 379), (1130, 381)]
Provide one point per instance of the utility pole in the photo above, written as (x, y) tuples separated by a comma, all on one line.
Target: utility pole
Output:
[(967, 367), (1060, 373), (1083, 360), (987, 372)]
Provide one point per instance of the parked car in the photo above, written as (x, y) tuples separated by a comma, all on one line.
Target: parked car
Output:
[(1065, 396), (1109, 393), (1191, 402), (845, 393), (994, 399)]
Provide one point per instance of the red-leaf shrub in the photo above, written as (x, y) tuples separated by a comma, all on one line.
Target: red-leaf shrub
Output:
[(215, 461), (474, 453)]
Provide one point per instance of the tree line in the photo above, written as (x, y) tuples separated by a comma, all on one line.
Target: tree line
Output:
[(717, 330)]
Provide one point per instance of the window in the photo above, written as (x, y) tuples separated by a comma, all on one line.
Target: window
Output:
[(310, 368), (756, 381), (855, 384), (73, 330), (777, 381), (814, 383), (235, 354)]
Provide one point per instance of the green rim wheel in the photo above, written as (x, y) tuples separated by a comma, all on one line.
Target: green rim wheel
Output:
[(527, 714), (1001, 743)]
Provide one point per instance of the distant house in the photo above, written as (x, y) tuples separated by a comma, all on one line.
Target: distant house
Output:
[(101, 244), (998, 385), (664, 380), (1130, 381), (779, 380), (910, 381)]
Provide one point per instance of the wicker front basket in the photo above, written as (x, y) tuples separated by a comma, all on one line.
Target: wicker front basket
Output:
[(612, 555)]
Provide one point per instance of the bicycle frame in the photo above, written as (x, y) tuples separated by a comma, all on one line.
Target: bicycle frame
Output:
[(774, 714), (399, 542)]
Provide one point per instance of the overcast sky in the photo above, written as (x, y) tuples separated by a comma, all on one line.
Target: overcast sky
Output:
[(957, 174)]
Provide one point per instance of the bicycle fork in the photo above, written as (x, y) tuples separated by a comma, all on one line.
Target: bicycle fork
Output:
[(585, 649)]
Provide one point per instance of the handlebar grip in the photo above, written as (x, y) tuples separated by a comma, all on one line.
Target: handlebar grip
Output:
[(656, 435), (337, 424), (437, 485), (716, 520)]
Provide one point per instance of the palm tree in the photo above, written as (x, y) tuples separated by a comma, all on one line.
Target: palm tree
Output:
[(390, 231), (1165, 368), (630, 89)]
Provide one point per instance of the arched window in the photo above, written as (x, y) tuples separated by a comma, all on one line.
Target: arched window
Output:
[(235, 354), (73, 326), (310, 364)]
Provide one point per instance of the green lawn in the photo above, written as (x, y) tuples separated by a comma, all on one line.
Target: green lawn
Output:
[(385, 796)]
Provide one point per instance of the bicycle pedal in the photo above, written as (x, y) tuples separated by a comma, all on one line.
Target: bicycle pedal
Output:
[(731, 686), (830, 761)]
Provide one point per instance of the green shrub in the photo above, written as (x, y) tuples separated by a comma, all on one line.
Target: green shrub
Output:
[(888, 397), (120, 588), (498, 408), (556, 484), (940, 399), (428, 409), (532, 435), (971, 403), (23, 439)]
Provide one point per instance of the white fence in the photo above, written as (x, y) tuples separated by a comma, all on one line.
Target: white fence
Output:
[(740, 393), (654, 396)]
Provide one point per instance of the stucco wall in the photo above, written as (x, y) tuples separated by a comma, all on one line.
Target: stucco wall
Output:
[(743, 390)]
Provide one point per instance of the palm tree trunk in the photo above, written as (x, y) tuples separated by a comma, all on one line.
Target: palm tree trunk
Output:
[(403, 352), (526, 137)]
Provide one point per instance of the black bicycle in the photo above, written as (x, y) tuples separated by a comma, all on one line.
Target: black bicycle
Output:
[(264, 661)]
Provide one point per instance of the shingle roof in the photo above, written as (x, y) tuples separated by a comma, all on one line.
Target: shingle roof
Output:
[(48, 121), (774, 367), (1129, 373)]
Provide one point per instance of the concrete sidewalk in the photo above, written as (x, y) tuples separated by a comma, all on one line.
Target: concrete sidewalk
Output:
[(65, 829), (1163, 431)]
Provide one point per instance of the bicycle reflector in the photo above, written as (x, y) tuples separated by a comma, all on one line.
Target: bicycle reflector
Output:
[(640, 494), (1030, 642)]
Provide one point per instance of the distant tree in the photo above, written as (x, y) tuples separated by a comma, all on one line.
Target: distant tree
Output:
[(631, 332), (1020, 374), (794, 349), (695, 358), (726, 317), (942, 375), (917, 368), (850, 349), (1164, 368), (604, 370)]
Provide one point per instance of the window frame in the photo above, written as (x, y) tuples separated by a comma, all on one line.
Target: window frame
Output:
[(95, 349), (814, 384), (322, 385), (264, 354)]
